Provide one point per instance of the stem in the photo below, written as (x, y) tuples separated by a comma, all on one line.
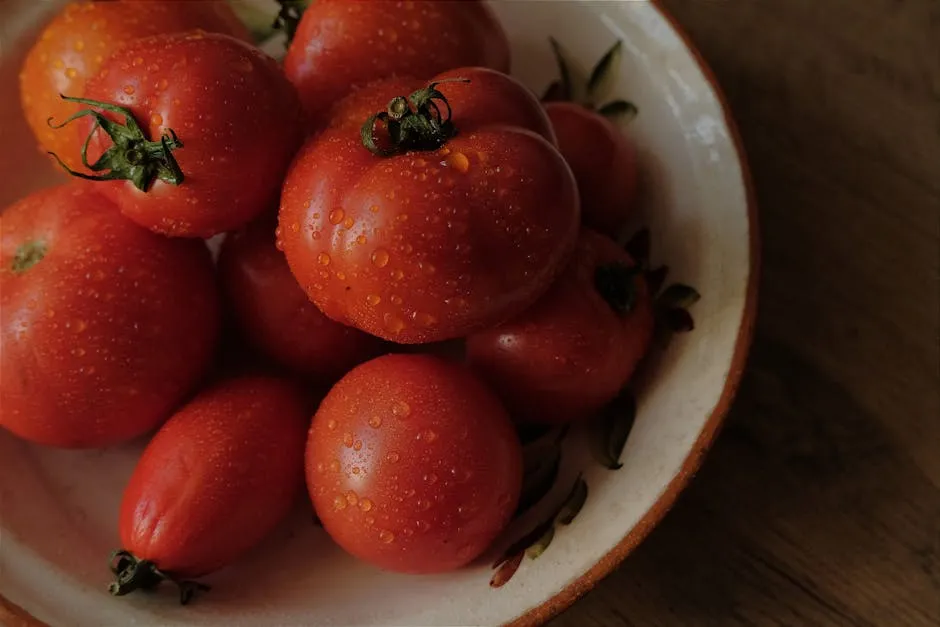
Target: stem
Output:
[(133, 574), (413, 123), (132, 156), (616, 283)]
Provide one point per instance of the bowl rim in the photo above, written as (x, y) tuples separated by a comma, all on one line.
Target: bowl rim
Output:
[(573, 591), (16, 616)]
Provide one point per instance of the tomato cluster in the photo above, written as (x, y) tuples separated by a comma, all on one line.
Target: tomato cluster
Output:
[(389, 184)]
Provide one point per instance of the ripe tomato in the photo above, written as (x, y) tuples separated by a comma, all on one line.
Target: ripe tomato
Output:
[(343, 44), (276, 314), (106, 327), (82, 36), (439, 240), (571, 353), (604, 162), (413, 465), (228, 121), (216, 478)]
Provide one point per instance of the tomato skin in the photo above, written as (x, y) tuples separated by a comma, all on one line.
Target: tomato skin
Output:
[(344, 44), (108, 332), (217, 477), (604, 162), (232, 108), (428, 246), (413, 465), (571, 353), (73, 46), (276, 314)]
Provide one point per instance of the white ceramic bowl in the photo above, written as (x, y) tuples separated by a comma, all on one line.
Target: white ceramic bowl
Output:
[(59, 508)]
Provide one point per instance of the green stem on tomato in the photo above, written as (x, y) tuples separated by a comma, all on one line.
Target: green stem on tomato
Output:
[(132, 156), (132, 573)]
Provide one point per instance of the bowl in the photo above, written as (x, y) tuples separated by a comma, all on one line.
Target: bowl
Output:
[(59, 508)]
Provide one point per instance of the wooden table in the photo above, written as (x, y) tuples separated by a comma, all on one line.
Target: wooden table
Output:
[(820, 503)]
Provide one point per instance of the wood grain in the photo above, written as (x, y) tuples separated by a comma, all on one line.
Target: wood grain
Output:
[(820, 504)]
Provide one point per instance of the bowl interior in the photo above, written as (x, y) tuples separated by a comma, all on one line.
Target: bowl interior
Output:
[(59, 508)]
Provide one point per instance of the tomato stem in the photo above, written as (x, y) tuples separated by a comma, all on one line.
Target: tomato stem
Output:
[(413, 123), (616, 283), (132, 156), (132, 573)]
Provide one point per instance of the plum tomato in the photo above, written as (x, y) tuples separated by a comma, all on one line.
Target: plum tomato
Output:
[(604, 162), (276, 315), (191, 133), (79, 39), (413, 465), (106, 326), (343, 44), (442, 233), (571, 353), (215, 479)]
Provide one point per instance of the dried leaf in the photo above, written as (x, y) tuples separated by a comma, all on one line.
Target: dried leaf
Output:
[(540, 476), (603, 72), (539, 546), (505, 570), (612, 429), (656, 278), (638, 247), (677, 320), (564, 70), (520, 545), (678, 296), (620, 111), (573, 504)]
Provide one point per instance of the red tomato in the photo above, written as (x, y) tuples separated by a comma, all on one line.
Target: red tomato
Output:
[(570, 354), (235, 119), (77, 41), (413, 465), (216, 478), (106, 327), (276, 315), (342, 44), (604, 162), (431, 244)]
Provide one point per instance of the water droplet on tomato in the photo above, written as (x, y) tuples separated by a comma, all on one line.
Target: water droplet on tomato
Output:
[(373, 299), (423, 525), (330, 424), (365, 505), (374, 208), (401, 409), (356, 470), (386, 536), (423, 505), (79, 325), (424, 319), (78, 352), (336, 216), (339, 503), (349, 222), (294, 227), (370, 520), (428, 436), (393, 323), (398, 274), (361, 239), (393, 457), (320, 467), (334, 465), (380, 258), (323, 259), (358, 445), (430, 478), (396, 299), (156, 119), (352, 498), (129, 90), (348, 440), (375, 422)]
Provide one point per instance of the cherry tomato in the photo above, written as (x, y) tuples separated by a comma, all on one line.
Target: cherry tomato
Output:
[(82, 36), (570, 354), (106, 327), (216, 478), (604, 162), (413, 465), (344, 44), (212, 131), (276, 315), (431, 243)]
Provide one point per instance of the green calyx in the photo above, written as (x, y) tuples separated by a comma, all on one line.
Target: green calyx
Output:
[(413, 123), (28, 255), (133, 574), (288, 17), (616, 283), (132, 156), (568, 89)]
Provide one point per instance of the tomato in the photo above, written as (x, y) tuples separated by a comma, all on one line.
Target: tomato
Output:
[(216, 478), (343, 44), (570, 354), (413, 465), (82, 36), (105, 327), (276, 315), (449, 235), (604, 161), (228, 120)]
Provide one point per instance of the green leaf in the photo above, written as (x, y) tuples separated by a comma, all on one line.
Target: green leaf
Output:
[(603, 72), (611, 430), (260, 23), (620, 111), (538, 547), (678, 296), (540, 476), (564, 91), (573, 504)]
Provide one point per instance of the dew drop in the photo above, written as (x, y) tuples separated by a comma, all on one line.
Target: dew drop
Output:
[(356, 470), (336, 216), (386, 537), (397, 274), (79, 45), (78, 352), (361, 239), (349, 222), (393, 323), (156, 119), (393, 457), (339, 503), (129, 89), (348, 440), (423, 525), (380, 258), (374, 208), (373, 299), (323, 259), (352, 498), (424, 319), (428, 436), (334, 465), (459, 162), (423, 505), (365, 505), (370, 520), (358, 445), (331, 424), (401, 409), (375, 422), (430, 478), (71, 72)]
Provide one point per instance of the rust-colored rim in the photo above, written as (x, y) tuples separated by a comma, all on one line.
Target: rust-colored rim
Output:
[(578, 588), (12, 615)]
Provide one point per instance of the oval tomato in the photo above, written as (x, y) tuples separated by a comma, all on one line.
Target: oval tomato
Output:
[(342, 44), (604, 162), (106, 327), (228, 121), (431, 244), (572, 353), (413, 465), (216, 478), (75, 44), (276, 314)]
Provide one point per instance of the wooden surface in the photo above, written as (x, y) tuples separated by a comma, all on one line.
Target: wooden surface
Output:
[(820, 503)]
